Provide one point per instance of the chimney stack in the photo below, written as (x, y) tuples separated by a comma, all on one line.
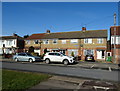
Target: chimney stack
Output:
[(48, 31), (83, 29), (14, 34)]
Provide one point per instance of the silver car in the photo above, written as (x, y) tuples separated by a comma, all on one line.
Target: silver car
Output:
[(25, 57)]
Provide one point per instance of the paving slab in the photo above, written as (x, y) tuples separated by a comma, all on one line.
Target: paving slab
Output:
[(58, 82), (73, 84)]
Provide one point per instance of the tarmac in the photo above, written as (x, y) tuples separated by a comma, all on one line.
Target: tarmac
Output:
[(64, 83), (83, 64)]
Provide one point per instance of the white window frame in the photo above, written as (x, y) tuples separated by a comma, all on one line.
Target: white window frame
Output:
[(118, 40), (9, 42), (27, 41), (63, 41), (14, 42), (55, 40), (112, 39), (100, 40), (2, 41), (86, 52), (46, 41), (73, 41), (36, 41), (88, 41)]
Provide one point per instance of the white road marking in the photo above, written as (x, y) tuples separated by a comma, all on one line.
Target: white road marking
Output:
[(78, 87), (92, 66), (110, 69), (98, 87)]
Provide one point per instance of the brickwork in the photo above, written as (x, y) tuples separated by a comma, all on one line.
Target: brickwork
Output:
[(117, 28), (80, 46)]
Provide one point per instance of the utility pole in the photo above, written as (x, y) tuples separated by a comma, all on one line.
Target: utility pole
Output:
[(114, 37)]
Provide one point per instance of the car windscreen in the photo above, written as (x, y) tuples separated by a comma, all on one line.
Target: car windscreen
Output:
[(63, 54), (29, 54), (51, 54)]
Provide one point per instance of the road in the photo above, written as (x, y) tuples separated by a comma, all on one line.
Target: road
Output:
[(64, 70)]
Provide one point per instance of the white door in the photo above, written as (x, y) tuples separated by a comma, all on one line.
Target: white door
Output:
[(37, 51), (99, 54)]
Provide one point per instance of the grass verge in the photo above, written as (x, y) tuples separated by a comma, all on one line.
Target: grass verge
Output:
[(17, 80)]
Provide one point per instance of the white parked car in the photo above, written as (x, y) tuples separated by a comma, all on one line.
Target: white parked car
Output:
[(58, 57)]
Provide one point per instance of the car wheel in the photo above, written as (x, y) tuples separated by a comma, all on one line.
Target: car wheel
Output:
[(47, 61), (65, 62), (30, 60), (16, 59)]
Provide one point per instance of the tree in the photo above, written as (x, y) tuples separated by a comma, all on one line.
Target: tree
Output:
[(45, 50), (25, 36), (31, 49), (72, 53)]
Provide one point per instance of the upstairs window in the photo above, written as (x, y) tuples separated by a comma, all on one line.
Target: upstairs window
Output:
[(88, 52), (9, 42), (2, 41), (46, 41), (112, 40), (117, 40), (74, 41), (55, 41), (36, 42), (100, 40), (27, 41), (14, 42), (87, 41), (63, 41)]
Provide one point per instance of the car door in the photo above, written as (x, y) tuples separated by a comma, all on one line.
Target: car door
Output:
[(57, 57), (25, 57), (22, 57), (51, 56)]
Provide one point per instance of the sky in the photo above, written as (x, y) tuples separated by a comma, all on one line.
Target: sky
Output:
[(26, 18)]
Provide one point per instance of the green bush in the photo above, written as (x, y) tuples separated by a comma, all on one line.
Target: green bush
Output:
[(42, 56), (35, 54), (72, 54)]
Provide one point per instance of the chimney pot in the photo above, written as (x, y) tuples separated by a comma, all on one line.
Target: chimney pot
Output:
[(48, 31), (83, 29), (14, 34)]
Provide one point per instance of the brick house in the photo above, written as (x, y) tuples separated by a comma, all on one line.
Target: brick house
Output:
[(82, 42), (11, 44), (117, 44)]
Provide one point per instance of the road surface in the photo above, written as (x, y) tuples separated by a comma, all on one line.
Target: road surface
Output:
[(64, 70)]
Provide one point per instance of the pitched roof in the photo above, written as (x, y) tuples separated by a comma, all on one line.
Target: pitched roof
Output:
[(10, 37), (71, 35), (35, 36)]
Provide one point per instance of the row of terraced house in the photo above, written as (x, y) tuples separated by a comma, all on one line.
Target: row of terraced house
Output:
[(81, 43)]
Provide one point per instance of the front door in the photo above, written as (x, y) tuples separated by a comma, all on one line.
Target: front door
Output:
[(99, 54)]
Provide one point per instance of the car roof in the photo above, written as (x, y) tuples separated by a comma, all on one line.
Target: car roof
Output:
[(53, 52), (21, 52)]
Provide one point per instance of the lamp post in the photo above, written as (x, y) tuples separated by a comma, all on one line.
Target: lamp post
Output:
[(114, 38), (40, 44)]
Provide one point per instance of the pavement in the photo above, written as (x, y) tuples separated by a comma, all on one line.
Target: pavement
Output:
[(73, 84), (83, 64)]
